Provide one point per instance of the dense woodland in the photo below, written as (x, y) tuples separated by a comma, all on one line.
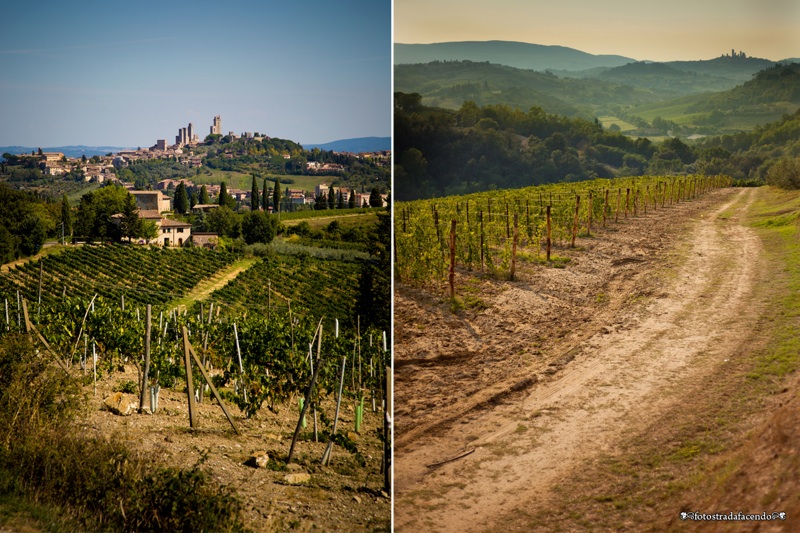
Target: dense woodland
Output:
[(443, 152)]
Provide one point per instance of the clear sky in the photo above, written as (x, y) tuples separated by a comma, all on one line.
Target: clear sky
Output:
[(128, 73), (661, 30)]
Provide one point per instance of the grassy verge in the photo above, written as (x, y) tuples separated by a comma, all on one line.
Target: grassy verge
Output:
[(204, 289), (690, 454), (292, 216)]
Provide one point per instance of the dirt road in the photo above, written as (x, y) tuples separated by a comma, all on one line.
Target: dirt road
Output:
[(563, 364)]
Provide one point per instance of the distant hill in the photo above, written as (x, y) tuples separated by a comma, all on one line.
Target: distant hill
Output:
[(358, 145), (770, 94), (668, 78), (774, 90), (513, 54), (69, 151), (449, 84), (740, 69)]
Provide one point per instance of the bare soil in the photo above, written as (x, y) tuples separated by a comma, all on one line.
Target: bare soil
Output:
[(498, 405), (344, 496)]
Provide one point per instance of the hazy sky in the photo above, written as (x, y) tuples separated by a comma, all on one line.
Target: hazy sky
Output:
[(128, 73), (661, 30)]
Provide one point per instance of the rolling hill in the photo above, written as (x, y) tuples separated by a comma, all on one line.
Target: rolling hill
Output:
[(358, 145), (772, 93), (69, 151), (513, 54), (449, 84)]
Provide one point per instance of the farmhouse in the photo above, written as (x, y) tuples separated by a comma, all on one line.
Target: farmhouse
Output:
[(174, 232)]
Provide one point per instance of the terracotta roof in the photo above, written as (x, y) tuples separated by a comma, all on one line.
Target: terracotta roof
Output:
[(168, 222)]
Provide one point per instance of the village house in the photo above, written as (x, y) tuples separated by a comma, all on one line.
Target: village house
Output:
[(204, 208), (152, 200)]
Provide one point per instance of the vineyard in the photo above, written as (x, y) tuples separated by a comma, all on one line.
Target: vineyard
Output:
[(490, 231), (323, 287), (137, 274), (89, 306)]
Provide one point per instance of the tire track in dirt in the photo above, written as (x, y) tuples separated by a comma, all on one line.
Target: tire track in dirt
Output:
[(620, 379)]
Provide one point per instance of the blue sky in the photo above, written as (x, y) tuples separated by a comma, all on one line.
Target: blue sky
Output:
[(658, 30), (127, 73)]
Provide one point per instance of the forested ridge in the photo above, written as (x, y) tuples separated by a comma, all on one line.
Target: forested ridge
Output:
[(441, 152)]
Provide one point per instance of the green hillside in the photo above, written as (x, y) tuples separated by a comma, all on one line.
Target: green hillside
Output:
[(664, 78), (449, 84), (767, 97)]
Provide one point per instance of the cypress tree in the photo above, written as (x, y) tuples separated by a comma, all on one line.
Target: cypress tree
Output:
[(331, 199), (204, 199), (223, 194), (254, 203), (265, 198), (351, 202), (276, 196), (181, 198)]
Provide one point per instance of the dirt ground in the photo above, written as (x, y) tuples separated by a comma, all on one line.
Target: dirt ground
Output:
[(497, 405), (345, 496)]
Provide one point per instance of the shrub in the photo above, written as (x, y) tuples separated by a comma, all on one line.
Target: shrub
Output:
[(102, 484), (785, 174)]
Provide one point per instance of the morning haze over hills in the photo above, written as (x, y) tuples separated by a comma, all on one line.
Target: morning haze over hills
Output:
[(474, 116), (732, 92)]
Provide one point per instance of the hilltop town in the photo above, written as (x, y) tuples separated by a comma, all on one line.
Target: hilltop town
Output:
[(191, 152)]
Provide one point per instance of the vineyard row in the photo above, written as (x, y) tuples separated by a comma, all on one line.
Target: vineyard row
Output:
[(483, 230)]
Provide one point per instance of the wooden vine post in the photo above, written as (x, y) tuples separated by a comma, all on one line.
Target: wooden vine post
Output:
[(480, 216), (549, 234), (636, 202), (143, 388), (575, 221), (627, 201), (605, 208), (514, 246), (452, 259), (619, 198), (202, 368), (589, 221), (309, 390), (189, 380), (508, 230)]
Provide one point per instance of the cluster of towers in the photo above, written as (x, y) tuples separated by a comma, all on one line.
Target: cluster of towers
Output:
[(186, 136)]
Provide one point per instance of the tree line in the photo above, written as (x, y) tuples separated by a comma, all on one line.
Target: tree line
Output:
[(442, 152)]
